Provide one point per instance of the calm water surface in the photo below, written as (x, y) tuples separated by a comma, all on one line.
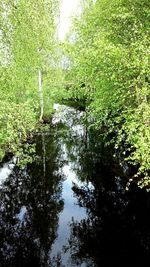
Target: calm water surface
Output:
[(69, 207)]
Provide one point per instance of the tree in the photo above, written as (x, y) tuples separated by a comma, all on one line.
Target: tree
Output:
[(110, 55), (27, 38)]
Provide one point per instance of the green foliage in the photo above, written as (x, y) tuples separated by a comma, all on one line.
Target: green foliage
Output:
[(53, 88), (109, 54), (16, 121), (27, 44)]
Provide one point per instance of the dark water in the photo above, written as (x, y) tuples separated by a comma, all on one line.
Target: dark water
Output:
[(69, 207)]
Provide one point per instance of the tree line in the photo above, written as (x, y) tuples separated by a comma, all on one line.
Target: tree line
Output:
[(108, 48), (104, 61), (27, 67)]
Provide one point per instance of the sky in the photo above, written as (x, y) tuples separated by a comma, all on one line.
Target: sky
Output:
[(68, 8)]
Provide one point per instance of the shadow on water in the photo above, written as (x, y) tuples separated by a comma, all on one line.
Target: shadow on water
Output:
[(116, 231), (69, 207), (30, 201)]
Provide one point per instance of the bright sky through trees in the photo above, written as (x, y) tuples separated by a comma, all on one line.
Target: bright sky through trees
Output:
[(67, 9)]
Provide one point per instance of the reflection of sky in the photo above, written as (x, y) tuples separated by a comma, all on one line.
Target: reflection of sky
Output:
[(71, 209), (22, 212), (61, 115), (6, 170)]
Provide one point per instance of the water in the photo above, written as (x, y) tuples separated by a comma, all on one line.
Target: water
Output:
[(69, 207), (6, 170)]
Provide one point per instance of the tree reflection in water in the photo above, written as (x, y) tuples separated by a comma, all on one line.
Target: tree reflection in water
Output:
[(30, 202), (116, 231)]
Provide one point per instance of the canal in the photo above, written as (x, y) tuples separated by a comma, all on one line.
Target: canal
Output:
[(69, 206)]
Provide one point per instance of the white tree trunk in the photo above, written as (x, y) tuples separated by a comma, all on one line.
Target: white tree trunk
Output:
[(41, 95), (44, 154)]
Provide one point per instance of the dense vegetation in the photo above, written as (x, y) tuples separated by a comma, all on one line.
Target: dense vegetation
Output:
[(27, 45), (106, 64), (109, 51)]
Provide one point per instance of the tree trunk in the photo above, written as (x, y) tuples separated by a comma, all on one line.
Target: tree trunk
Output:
[(44, 154), (41, 95)]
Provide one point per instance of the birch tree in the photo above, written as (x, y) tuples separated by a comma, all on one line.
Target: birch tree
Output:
[(110, 57), (28, 44)]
